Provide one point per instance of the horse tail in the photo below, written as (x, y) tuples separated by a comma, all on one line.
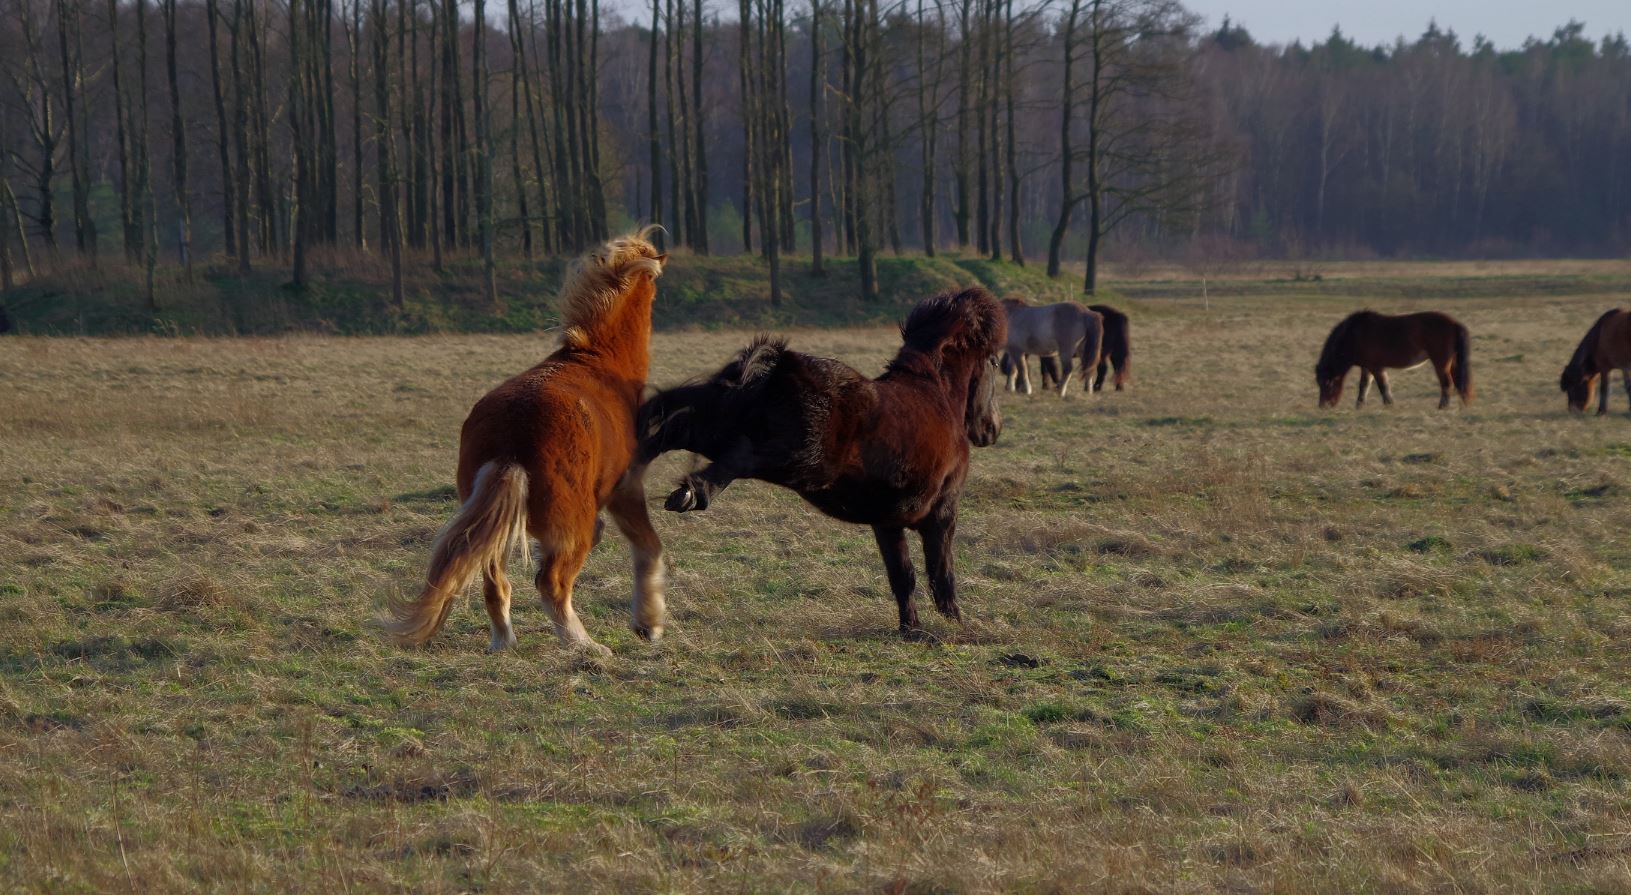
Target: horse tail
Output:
[(491, 523), (1092, 345), (1463, 372)]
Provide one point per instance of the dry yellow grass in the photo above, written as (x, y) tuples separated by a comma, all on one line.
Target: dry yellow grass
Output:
[(1217, 639)]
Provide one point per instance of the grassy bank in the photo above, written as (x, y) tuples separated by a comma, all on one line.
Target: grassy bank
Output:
[(349, 293)]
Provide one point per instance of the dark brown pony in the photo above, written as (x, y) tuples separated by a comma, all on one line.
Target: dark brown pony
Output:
[(1118, 347), (1377, 342), (542, 453), (1606, 348), (1118, 351), (890, 452)]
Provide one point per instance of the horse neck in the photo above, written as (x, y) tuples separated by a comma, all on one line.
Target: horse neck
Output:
[(622, 339), (952, 370)]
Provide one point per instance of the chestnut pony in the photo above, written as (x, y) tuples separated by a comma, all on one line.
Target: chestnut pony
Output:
[(543, 452), (1606, 348), (890, 452), (1375, 342)]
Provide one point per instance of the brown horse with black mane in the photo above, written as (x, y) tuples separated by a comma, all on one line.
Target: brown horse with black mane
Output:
[(890, 452), (1606, 348), (542, 453), (1377, 342)]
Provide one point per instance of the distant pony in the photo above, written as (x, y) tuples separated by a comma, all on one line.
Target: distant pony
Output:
[(1377, 342), (1118, 347), (1606, 348), (1066, 329), (890, 452), (1118, 350), (542, 453)]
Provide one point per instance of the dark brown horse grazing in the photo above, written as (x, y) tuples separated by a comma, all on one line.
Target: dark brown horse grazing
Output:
[(1118, 350), (1118, 347), (890, 452), (542, 453), (1376, 342), (1606, 348)]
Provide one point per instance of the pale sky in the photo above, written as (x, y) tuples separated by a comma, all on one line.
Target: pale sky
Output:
[(1505, 22)]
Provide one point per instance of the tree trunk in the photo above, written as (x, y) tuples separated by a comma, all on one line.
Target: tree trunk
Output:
[(484, 155), (818, 84), (1067, 185), (127, 213), (223, 137), (144, 168), (299, 123), (73, 87), (653, 138), (240, 138), (1016, 252), (178, 137), (699, 121), (390, 232)]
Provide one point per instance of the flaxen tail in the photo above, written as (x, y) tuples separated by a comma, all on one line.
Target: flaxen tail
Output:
[(492, 522), (1462, 374)]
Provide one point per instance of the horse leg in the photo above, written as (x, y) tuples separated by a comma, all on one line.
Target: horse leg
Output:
[(1103, 370), (1065, 369), (557, 574), (1009, 371), (1364, 386), (495, 589), (937, 534), (627, 507), (1023, 364), (1625, 378), (1602, 395), (897, 563), (1443, 371), (1383, 387)]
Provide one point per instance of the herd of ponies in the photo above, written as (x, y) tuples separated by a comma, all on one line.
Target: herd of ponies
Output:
[(542, 455)]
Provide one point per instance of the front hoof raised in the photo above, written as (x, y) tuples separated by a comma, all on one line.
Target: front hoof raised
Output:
[(682, 500)]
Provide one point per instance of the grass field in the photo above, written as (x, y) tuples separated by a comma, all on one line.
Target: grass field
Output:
[(1217, 639)]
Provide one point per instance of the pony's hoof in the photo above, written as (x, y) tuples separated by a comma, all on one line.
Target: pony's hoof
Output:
[(684, 499), (918, 635), (591, 649), (497, 644), (648, 633), (950, 610)]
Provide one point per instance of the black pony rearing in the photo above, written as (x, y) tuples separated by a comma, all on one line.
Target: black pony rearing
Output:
[(890, 452)]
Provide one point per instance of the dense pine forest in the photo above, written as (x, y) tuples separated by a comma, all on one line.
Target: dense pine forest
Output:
[(252, 134)]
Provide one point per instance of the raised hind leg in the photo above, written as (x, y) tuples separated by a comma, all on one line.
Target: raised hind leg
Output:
[(627, 507), (558, 567), (495, 589), (897, 562), (1383, 387), (937, 534)]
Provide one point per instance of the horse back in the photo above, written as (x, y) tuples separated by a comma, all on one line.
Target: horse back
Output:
[(568, 420), (1613, 348)]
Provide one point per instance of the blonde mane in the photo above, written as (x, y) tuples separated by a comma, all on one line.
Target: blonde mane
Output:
[(596, 282)]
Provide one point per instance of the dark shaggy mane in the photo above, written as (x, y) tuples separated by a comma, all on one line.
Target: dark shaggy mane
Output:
[(970, 319), (1335, 339), (1577, 363)]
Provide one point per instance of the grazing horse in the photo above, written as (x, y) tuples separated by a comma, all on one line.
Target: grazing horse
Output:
[(1118, 347), (1606, 348), (1065, 329), (890, 452), (542, 453), (1374, 342), (1118, 350)]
